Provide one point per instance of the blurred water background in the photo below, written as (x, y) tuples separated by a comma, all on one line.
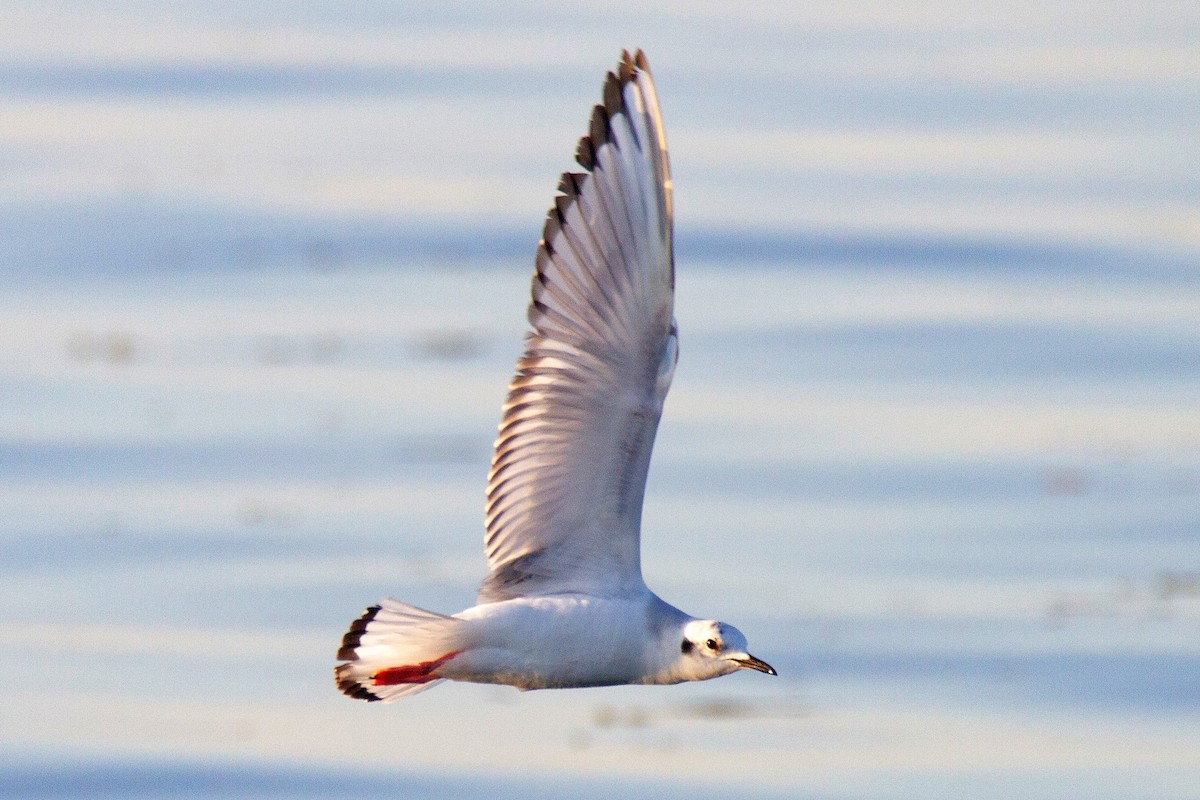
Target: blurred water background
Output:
[(933, 442)]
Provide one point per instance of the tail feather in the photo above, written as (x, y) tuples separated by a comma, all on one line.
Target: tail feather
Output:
[(394, 650)]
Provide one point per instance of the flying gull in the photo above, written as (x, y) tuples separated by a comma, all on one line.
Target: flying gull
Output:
[(564, 604)]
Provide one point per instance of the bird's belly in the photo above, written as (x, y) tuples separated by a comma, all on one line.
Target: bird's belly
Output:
[(554, 642)]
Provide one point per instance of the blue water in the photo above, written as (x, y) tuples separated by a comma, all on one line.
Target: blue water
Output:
[(933, 441)]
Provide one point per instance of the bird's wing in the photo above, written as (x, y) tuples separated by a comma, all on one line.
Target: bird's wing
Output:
[(564, 496)]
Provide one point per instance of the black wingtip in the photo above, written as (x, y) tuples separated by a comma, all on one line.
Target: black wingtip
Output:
[(598, 132), (350, 686), (585, 154), (347, 684), (353, 637), (626, 69), (614, 103), (569, 184)]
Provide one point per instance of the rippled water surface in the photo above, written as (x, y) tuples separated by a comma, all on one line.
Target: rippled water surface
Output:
[(933, 443)]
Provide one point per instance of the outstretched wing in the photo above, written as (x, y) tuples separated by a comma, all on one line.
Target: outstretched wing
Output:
[(564, 497)]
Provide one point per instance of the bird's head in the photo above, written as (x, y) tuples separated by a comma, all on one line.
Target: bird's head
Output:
[(710, 649)]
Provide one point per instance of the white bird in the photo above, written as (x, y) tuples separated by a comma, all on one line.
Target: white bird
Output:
[(565, 604)]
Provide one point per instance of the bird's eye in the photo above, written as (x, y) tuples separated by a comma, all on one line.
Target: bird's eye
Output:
[(711, 644)]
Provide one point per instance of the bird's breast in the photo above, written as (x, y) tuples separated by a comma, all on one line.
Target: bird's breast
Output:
[(559, 641)]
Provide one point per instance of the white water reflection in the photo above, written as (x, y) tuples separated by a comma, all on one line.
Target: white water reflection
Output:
[(933, 440)]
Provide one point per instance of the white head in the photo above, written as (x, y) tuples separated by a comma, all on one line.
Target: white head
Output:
[(710, 649)]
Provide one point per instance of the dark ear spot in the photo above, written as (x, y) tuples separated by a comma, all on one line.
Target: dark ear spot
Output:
[(686, 647)]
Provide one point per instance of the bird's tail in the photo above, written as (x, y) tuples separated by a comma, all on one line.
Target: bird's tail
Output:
[(394, 650)]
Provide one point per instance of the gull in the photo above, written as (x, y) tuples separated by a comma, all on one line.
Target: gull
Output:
[(564, 604)]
